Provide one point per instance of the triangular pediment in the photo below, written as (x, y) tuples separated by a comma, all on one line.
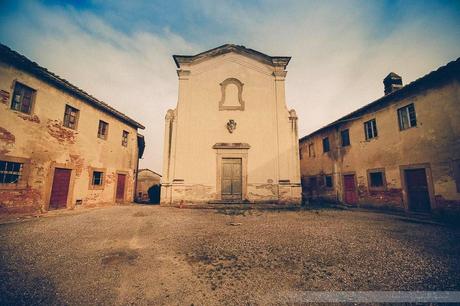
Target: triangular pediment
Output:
[(278, 61)]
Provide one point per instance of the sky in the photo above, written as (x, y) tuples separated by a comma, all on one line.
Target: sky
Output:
[(121, 51)]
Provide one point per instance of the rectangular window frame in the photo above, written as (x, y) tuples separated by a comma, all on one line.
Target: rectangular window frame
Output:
[(99, 129), (407, 117), (21, 97), (311, 150), (384, 180), (345, 143), (91, 178), (370, 129), (331, 185), (326, 145), (68, 116), (124, 138), (22, 183)]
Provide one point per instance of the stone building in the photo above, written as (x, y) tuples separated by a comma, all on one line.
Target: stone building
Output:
[(148, 186), (231, 137), (400, 151), (59, 146)]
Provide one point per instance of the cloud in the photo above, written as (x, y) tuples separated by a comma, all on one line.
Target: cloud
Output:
[(341, 50)]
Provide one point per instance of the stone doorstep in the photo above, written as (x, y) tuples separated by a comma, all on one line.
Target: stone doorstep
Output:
[(238, 205)]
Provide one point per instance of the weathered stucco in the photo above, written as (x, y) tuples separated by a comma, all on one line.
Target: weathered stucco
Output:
[(41, 140), (432, 144), (220, 87)]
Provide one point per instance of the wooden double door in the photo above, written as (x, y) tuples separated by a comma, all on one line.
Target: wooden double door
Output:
[(418, 194), (231, 179)]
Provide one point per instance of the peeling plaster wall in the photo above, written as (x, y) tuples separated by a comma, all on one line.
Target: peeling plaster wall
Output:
[(190, 168), (435, 141), (42, 139)]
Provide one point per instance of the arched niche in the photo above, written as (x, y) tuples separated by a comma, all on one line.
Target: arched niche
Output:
[(231, 100)]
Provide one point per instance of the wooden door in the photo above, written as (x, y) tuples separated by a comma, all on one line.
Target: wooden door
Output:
[(231, 179), (60, 188), (350, 196), (417, 190), (120, 193)]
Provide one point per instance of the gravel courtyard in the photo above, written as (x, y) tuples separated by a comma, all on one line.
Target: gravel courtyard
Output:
[(154, 255)]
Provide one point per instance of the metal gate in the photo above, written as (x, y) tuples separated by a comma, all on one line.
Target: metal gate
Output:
[(231, 179)]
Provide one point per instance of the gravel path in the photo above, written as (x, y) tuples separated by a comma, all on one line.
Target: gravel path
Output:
[(153, 255)]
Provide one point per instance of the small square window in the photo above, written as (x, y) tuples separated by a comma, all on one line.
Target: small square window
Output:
[(376, 179), (103, 129), (10, 172), (370, 129), (124, 138), (328, 181), (407, 117), (326, 145), (345, 135), (98, 178), (22, 98), (71, 117)]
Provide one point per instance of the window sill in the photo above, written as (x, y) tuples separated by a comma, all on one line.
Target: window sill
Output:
[(19, 186), (96, 187)]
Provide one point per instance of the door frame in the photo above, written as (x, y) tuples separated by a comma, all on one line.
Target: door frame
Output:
[(232, 153), (125, 192), (49, 184), (429, 181), (356, 186)]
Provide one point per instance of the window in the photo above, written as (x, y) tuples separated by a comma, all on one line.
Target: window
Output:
[(311, 150), (376, 179), (124, 138), (22, 98), (326, 145), (345, 135), (370, 129), (103, 129), (407, 117), (98, 178), (10, 172), (71, 117), (328, 181)]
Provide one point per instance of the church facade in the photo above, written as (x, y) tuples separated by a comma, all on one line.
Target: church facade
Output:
[(231, 138)]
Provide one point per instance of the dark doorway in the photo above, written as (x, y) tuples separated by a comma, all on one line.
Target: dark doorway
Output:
[(154, 194), (121, 181), (418, 195), (349, 189), (60, 188)]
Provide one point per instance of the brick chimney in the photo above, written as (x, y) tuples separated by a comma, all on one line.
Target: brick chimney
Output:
[(392, 83)]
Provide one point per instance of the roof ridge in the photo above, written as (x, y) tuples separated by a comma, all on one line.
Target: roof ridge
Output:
[(450, 65), (35, 67)]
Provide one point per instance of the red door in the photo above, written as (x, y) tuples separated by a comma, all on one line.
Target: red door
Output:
[(120, 197), (350, 196), (417, 190), (60, 188)]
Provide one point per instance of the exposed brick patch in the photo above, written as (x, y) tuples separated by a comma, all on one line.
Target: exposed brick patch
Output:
[(78, 162), (7, 136), (28, 198), (31, 118), (441, 202), (59, 132)]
